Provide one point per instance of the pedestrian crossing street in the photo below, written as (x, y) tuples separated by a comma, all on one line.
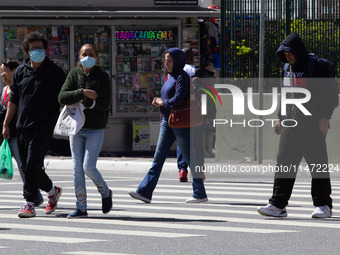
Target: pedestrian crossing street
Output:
[(231, 209)]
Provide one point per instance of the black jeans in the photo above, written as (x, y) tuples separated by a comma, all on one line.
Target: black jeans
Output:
[(33, 145), (294, 144)]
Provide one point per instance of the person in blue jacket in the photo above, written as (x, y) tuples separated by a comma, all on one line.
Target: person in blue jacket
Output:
[(174, 92)]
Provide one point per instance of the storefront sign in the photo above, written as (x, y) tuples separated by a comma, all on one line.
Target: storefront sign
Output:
[(176, 2), (149, 35)]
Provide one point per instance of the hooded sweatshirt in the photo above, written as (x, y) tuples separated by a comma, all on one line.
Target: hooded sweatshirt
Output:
[(176, 88), (35, 92), (320, 105)]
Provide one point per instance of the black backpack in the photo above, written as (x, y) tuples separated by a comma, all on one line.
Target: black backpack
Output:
[(331, 73)]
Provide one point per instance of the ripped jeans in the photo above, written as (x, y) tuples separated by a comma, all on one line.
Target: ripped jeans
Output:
[(85, 147)]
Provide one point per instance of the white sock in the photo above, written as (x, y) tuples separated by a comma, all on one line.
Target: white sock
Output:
[(51, 192), (30, 203)]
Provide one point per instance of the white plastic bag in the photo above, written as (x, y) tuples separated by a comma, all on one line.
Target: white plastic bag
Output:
[(71, 119)]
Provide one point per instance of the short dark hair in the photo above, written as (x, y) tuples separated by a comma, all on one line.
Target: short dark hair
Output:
[(33, 37), (189, 55), (11, 64)]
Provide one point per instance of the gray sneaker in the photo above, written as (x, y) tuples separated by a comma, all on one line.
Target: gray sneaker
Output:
[(322, 212), (138, 196), (272, 211)]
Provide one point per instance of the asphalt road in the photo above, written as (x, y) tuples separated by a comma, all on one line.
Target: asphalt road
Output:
[(227, 224)]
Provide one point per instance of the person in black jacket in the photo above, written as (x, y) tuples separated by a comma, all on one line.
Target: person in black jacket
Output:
[(8, 68), (308, 136), (34, 96)]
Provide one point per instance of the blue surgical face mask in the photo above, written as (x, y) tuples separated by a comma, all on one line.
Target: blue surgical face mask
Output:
[(37, 55), (88, 62)]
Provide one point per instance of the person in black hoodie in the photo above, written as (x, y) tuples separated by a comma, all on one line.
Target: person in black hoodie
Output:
[(174, 92), (308, 137), (34, 96)]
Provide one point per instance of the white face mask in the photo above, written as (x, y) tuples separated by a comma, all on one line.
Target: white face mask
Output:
[(88, 62)]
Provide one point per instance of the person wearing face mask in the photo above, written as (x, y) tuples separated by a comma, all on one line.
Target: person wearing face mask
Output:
[(8, 68), (174, 92), (34, 97), (90, 84)]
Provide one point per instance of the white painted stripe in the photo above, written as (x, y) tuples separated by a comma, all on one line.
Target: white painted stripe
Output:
[(172, 199), (158, 225), (94, 253), (99, 231), (51, 239), (268, 221), (4, 247)]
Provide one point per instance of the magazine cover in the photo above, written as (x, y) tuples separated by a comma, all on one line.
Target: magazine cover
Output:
[(135, 79), (146, 48), (143, 95), (121, 79), (150, 83), (127, 65), (143, 80), (128, 80), (133, 62), (157, 79), (130, 50), (155, 49), (120, 65), (146, 64), (138, 49), (121, 49), (136, 96), (139, 65)]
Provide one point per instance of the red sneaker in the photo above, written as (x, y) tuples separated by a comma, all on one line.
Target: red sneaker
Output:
[(52, 201), (27, 211), (183, 176)]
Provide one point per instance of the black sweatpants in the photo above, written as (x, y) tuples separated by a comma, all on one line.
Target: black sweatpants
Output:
[(294, 144), (33, 146)]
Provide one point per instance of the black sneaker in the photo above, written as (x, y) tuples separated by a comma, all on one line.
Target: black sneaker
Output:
[(77, 214), (107, 203)]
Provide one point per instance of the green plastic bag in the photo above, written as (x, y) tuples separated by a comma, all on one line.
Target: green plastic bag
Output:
[(6, 165)]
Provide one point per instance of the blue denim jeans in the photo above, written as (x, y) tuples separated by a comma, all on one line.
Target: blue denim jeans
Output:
[(13, 146), (85, 148), (167, 136), (180, 160)]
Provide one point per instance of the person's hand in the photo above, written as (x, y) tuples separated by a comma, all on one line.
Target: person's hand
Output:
[(278, 128), (323, 125), (90, 93), (157, 101), (5, 131)]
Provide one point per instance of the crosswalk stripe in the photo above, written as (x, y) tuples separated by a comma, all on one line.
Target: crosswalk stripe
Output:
[(53, 239), (202, 207), (160, 225), (96, 253), (264, 221), (100, 231)]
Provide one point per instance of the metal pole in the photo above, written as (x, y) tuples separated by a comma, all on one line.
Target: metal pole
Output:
[(261, 74), (288, 16), (223, 38)]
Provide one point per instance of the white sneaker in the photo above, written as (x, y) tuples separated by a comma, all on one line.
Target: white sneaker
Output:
[(196, 200), (138, 196), (322, 212), (272, 210)]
